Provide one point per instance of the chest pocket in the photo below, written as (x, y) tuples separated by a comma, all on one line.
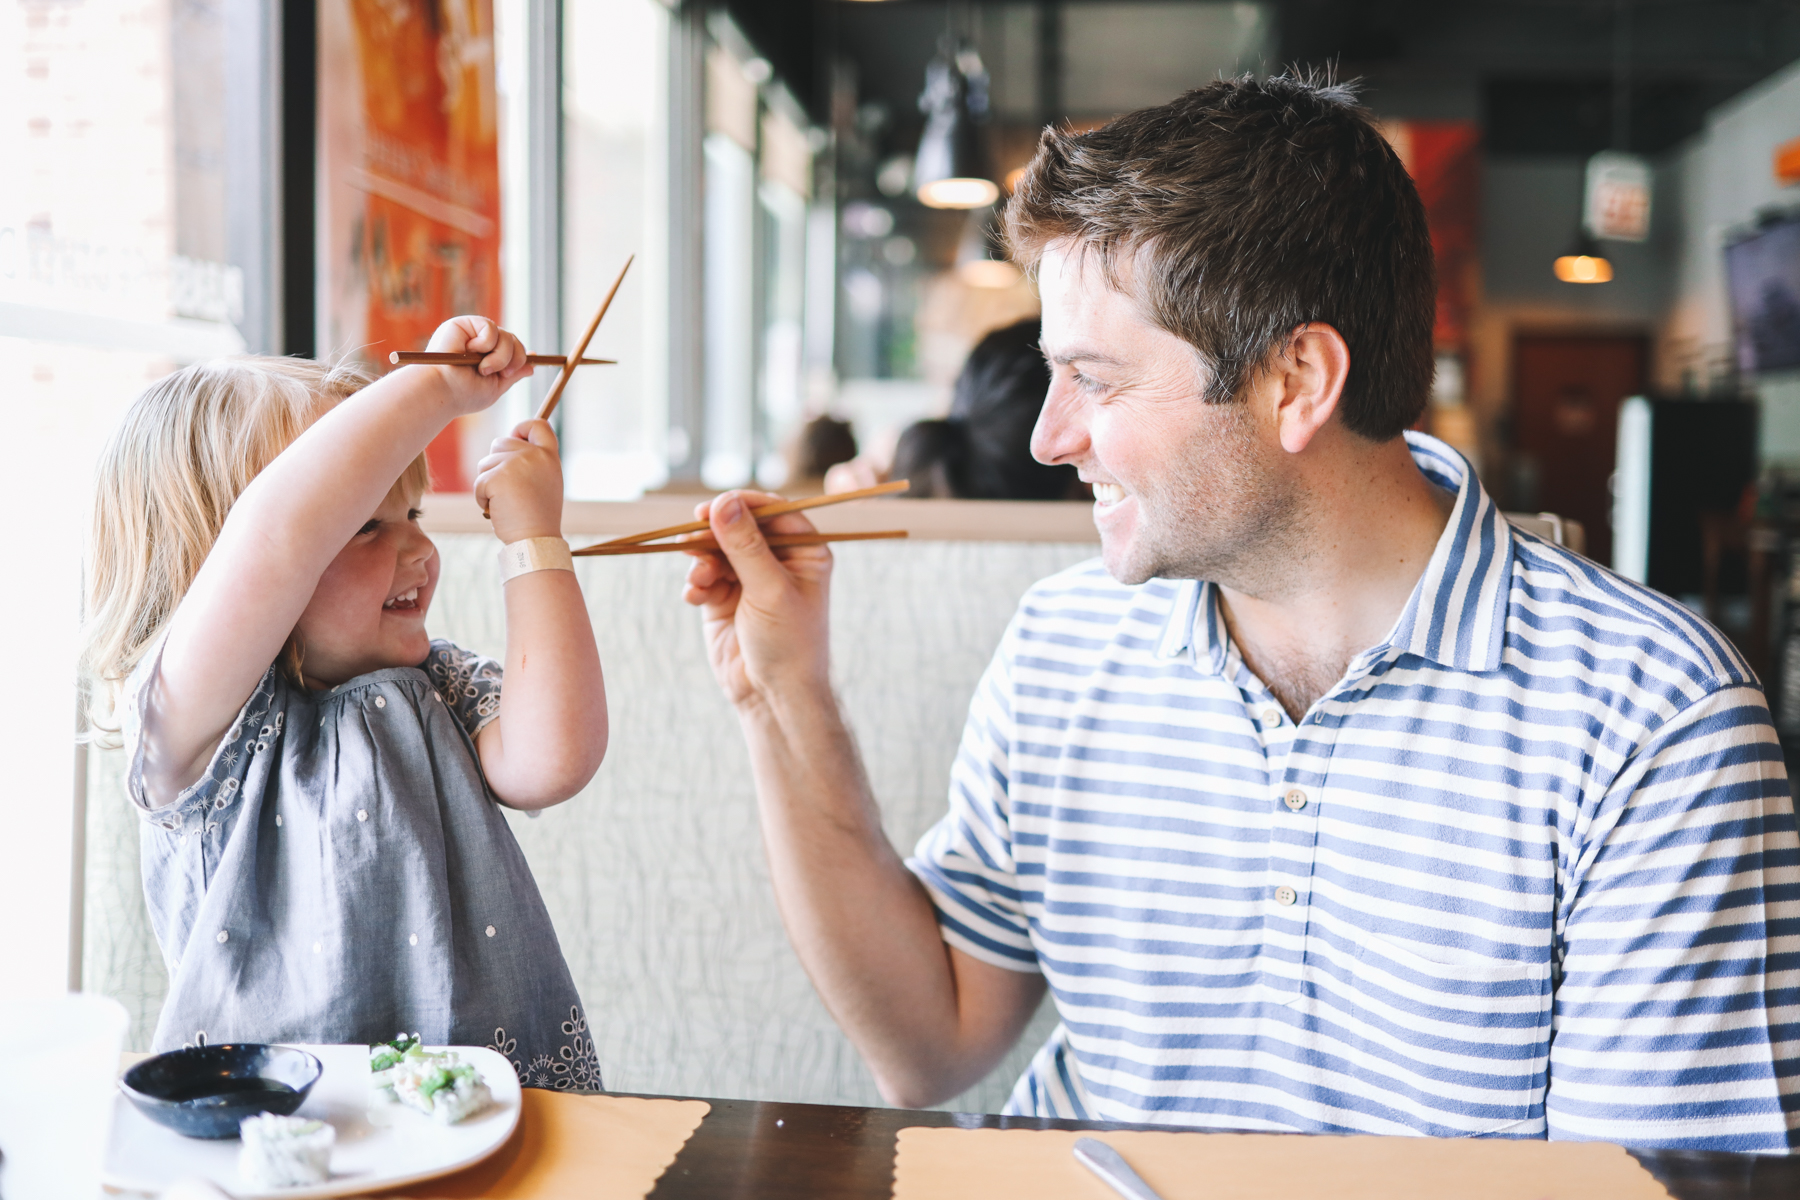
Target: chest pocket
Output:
[(1454, 1031)]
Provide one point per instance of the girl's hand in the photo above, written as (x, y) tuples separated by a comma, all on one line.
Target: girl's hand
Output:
[(520, 485), (504, 365)]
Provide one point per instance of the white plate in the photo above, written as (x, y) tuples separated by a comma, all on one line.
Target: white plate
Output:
[(376, 1148)]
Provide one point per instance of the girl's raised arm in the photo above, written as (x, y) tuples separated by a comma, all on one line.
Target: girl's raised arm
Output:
[(285, 530), (551, 733)]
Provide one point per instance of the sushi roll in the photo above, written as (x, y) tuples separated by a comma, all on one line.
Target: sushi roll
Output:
[(285, 1151), (388, 1060), (448, 1089)]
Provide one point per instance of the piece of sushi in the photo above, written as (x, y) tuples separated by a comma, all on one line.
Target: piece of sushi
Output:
[(444, 1086), (386, 1060), (285, 1151)]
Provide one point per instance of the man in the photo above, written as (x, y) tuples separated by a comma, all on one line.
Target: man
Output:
[(1329, 802)]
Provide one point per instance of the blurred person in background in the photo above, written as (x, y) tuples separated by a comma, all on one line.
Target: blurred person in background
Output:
[(819, 445), (982, 451)]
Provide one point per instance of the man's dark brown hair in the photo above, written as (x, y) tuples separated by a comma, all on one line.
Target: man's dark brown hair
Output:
[(1240, 212)]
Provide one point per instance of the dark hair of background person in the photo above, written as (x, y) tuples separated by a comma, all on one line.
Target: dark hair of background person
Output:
[(821, 444), (1240, 212), (983, 450)]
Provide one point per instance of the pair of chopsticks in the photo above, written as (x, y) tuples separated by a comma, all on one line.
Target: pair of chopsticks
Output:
[(403, 358), (637, 543)]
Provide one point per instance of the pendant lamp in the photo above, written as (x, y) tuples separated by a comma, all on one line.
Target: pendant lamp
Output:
[(951, 169), (1583, 261)]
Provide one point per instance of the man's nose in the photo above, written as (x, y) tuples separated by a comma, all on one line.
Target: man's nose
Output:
[(1060, 435)]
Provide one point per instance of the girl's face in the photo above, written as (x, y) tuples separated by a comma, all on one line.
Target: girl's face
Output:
[(368, 611)]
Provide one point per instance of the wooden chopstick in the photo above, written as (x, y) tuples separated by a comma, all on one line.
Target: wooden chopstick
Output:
[(776, 540), (766, 511), (568, 371), (407, 358)]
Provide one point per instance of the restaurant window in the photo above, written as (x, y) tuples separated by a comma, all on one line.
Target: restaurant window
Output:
[(112, 273), (615, 137)]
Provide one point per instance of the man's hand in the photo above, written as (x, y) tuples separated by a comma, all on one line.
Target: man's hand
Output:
[(929, 1020), (504, 362), (766, 612), (520, 484)]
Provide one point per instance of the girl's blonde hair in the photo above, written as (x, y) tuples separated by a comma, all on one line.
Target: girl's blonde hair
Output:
[(187, 448)]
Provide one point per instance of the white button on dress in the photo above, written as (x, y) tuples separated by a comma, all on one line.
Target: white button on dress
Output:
[(362, 814), (490, 931), (223, 937), (381, 702), (413, 940)]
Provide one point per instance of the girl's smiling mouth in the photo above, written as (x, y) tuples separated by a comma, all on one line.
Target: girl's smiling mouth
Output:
[(407, 601)]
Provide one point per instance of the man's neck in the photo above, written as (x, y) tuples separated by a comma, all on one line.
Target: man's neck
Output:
[(1371, 534)]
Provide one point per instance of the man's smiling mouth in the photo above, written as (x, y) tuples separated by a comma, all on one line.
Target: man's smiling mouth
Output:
[(1108, 493), (404, 601)]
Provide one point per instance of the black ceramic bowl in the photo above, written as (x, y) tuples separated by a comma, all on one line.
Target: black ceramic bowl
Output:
[(204, 1091)]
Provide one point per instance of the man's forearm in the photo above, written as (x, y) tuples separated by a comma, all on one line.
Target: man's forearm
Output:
[(863, 925)]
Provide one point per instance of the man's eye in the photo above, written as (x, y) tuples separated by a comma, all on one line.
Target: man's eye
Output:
[(369, 527), (1088, 383)]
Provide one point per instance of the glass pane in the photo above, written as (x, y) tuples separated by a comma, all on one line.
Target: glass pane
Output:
[(615, 122)]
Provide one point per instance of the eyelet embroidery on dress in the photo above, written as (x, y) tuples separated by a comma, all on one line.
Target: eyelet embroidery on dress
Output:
[(576, 1067), (468, 683)]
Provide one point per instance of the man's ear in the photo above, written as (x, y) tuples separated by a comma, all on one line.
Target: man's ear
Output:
[(1308, 374)]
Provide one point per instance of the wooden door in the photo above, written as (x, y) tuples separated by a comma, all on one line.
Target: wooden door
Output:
[(1566, 394)]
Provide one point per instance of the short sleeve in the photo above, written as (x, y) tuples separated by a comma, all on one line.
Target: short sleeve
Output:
[(1678, 1009), (468, 682), (966, 861), (258, 726)]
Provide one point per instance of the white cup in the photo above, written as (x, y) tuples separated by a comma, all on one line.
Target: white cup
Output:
[(59, 1063)]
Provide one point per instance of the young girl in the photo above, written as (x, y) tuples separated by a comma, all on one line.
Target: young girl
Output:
[(323, 855)]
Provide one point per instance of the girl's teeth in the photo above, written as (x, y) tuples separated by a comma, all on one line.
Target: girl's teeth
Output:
[(1108, 493)]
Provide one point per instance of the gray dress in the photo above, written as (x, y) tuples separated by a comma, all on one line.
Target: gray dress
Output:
[(341, 873)]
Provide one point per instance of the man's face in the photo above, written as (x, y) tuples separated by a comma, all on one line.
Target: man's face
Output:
[(1183, 489)]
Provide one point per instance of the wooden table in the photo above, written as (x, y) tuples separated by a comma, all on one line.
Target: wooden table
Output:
[(752, 1149)]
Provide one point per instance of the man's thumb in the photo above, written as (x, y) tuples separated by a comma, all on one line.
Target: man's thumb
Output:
[(743, 543)]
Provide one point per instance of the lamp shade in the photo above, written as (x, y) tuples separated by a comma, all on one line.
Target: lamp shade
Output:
[(1583, 261), (951, 169)]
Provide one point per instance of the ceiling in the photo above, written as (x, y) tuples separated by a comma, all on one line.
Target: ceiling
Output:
[(1539, 74)]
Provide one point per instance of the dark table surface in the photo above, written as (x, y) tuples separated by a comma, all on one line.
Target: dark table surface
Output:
[(751, 1149)]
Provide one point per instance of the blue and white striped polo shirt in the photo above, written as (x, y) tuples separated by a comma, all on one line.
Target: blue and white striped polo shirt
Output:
[(1529, 869)]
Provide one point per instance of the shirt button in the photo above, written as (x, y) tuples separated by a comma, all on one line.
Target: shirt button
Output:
[(362, 814), (223, 937), (1285, 895), (1295, 800), (1271, 716)]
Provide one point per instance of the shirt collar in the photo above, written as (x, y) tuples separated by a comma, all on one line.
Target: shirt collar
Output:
[(1456, 616)]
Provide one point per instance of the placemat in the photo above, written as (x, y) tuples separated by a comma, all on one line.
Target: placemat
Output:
[(995, 1164), (597, 1147)]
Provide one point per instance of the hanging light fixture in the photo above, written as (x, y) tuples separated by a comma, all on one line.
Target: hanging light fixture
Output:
[(1616, 196), (951, 169), (1583, 261)]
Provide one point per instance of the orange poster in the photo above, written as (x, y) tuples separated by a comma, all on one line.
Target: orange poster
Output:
[(409, 202)]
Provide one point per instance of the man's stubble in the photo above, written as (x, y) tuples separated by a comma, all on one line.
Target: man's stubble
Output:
[(1227, 510)]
